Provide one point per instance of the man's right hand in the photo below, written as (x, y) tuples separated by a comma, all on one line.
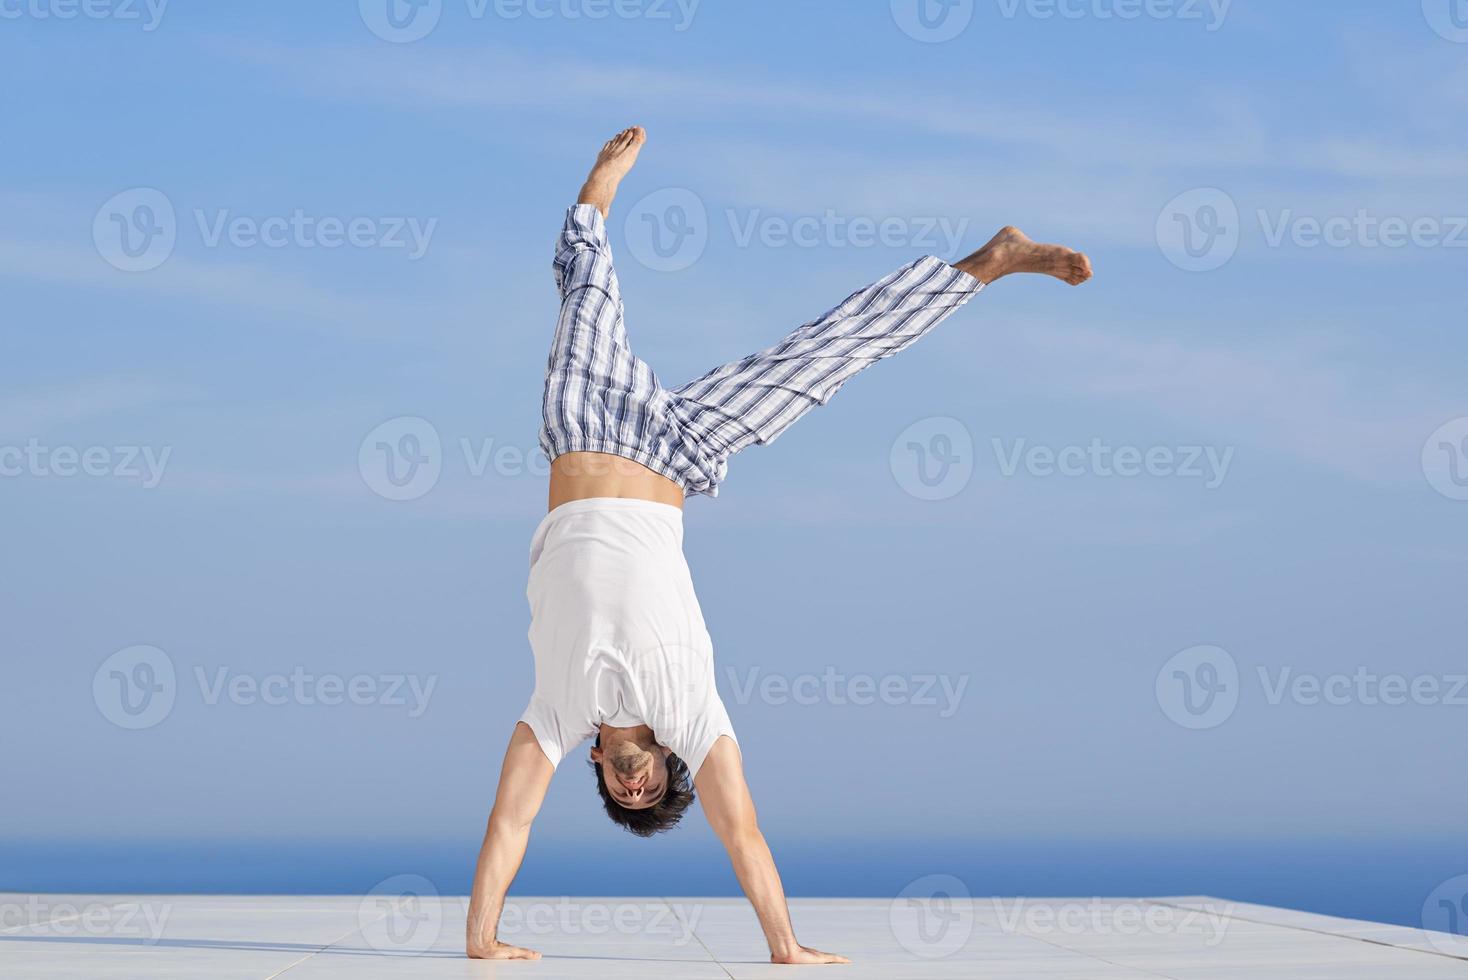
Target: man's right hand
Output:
[(497, 950)]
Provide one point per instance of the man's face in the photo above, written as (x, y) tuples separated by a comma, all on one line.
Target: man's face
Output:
[(637, 778)]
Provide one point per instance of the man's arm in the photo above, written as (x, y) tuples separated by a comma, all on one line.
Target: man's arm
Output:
[(524, 778), (730, 810)]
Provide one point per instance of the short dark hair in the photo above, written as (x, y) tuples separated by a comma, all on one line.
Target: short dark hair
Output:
[(664, 816)]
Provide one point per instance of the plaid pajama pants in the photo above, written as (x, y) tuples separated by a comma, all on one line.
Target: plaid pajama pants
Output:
[(600, 397)]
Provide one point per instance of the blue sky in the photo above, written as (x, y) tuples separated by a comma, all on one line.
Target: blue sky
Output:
[(236, 523)]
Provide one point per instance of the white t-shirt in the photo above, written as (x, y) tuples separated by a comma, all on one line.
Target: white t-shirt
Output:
[(616, 630)]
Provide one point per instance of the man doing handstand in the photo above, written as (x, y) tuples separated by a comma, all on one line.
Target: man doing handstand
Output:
[(621, 651)]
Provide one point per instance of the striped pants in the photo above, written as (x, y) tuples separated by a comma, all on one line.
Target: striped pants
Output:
[(599, 397)]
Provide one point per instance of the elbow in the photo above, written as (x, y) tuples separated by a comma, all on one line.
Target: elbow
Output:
[(509, 824), (745, 839)]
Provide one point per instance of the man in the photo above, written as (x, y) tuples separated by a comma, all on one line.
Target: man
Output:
[(621, 652)]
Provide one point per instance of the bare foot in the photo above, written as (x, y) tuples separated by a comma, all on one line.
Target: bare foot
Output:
[(500, 951), (1012, 251), (805, 954), (612, 164)]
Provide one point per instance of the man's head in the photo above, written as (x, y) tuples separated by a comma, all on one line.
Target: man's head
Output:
[(643, 786)]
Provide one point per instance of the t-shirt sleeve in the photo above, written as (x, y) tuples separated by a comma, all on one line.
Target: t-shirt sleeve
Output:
[(693, 742), (555, 739)]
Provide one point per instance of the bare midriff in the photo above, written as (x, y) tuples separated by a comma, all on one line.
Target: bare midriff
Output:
[(578, 476)]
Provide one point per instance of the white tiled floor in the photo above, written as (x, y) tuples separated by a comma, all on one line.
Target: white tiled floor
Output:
[(109, 937)]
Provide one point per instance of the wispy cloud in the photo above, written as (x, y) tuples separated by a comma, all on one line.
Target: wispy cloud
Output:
[(1301, 397), (35, 411), (1226, 129)]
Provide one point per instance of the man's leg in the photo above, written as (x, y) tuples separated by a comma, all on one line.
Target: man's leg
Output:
[(753, 400), (597, 392)]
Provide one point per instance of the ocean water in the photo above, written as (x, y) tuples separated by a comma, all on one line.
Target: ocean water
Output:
[(1379, 881)]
